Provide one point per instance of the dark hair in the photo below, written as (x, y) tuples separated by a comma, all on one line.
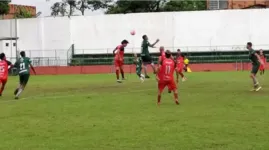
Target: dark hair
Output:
[(22, 53), (124, 42), (178, 50), (167, 54), (249, 44), (144, 37), (2, 56)]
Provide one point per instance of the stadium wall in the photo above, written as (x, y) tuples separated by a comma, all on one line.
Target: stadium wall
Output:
[(190, 31)]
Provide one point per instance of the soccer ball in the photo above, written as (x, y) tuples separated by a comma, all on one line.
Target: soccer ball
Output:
[(132, 32)]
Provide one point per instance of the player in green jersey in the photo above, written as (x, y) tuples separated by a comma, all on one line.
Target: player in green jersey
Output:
[(145, 55), (23, 64), (256, 62), (138, 65)]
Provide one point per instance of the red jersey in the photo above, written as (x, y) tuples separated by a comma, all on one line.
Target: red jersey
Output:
[(167, 69), (162, 55), (180, 61), (120, 52), (3, 69), (263, 58)]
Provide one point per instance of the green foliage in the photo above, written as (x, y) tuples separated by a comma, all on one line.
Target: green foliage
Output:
[(92, 5), (123, 6), (58, 8), (185, 5), (23, 13), (4, 8)]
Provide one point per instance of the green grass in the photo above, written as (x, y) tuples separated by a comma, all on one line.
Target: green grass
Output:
[(92, 112)]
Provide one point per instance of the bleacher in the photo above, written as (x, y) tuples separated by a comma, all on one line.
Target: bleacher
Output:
[(194, 57)]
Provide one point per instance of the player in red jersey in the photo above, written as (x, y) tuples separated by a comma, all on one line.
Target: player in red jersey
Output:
[(161, 58), (180, 65), (119, 59), (263, 59), (165, 76), (4, 66)]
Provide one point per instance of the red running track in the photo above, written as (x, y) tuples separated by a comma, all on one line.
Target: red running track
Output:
[(104, 69)]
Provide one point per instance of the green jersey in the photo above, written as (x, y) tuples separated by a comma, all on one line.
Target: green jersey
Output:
[(24, 65), (145, 48), (253, 57)]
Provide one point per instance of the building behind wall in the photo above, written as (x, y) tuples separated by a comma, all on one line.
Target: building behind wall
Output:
[(236, 4), (14, 8)]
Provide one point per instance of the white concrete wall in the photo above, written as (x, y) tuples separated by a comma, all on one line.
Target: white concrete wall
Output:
[(190, 31)]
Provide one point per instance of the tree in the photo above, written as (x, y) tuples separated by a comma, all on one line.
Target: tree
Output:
[(185, 5), (4, 8), (92, 5), (59, 8), (123, 6), (23, 13), (72, 6)]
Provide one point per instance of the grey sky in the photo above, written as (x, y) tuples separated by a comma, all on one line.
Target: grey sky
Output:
[(44, 6)]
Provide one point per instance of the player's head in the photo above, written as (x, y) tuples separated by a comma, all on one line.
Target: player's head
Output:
[(124, 43), (167, 54), (2, 56), (161, 49), (178, 52), (249, 45), (145, 37), (22, 53)]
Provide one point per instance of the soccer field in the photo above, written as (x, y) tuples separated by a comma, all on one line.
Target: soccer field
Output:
[(217, 112)]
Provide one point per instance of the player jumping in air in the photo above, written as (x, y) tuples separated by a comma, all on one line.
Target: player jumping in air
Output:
[(165, 77), (146, 58), (256, 62), (24, 64), (262, 66), (4, 66), (180, 65), (119, 59), (138, 64)]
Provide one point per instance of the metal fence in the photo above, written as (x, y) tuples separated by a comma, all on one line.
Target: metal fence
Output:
[(105, 56)]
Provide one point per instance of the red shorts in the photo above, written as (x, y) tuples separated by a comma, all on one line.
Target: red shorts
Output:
[(262, 67), (170, 84), (118, 63), (3, 80), (179, 68)]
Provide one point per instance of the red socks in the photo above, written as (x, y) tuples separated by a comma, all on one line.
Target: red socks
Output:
[(159, 98), (122, 73), (117, 74)]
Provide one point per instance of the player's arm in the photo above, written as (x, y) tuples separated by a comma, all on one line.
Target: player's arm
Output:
[(10, 65), (152, 45), (259, 58), (32, 67), (135, 58), (115, 50)]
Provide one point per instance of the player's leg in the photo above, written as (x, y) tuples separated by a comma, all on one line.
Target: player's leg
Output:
[(3, 84), (161, 86), (173, 87), (23, 82), (117, 67), (122, 71), (152, 64), (140, 75), (254, 71)]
